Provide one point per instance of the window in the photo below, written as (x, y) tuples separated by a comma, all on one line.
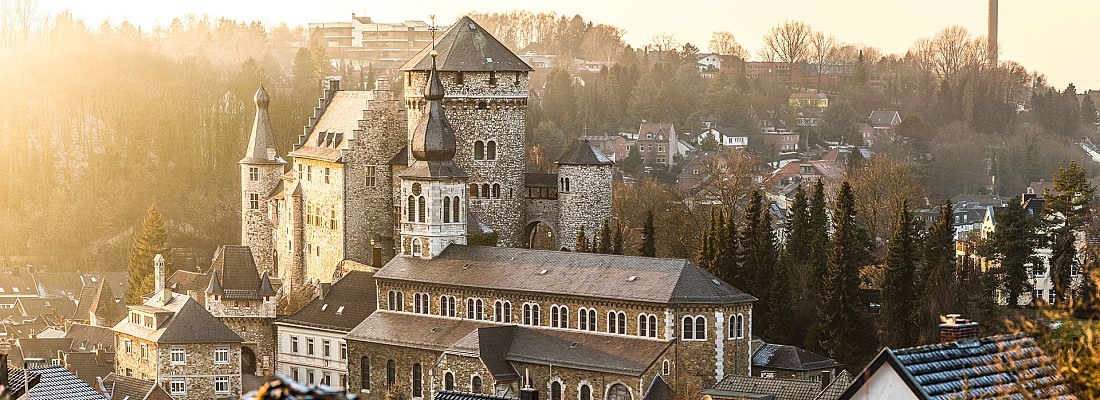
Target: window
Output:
[(128, 346), (566, 184), (458, 78), (475, 309), (618, 391), (473, 190), (586, 392), (396, 300), (178, 356), (1051, 296), (1040, 269), (616, 322), (343, 351), (391, 373), (496, 190), (737, 326), (326, 378), (178, 386), (446, 209), (645, 328), (555, 390), (586, 319), (455, 210), (475, 384), (492, 78), (364, 372), (694, 328), (309, 346), (253, 201), (421, 303), (447, 306), (326, 349), (491, 150), (309, 172), (371, 172), (295, 374), (410, 204), (327, 175), (502, 311), (479, 150), (418, 381), (221, 355), (485, 190), (531, 314), (1038, 294), (666, 368), (253, 174), (561, 315), (421, 209), (144, 351), (221, 384), (310, 378), (449, 381), (771, 374)]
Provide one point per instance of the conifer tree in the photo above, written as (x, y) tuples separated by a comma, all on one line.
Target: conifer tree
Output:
[(150, 241), (1013, 245), (1065, 210), (937, 277), (794, 263), (899, 323), (727, 259), (617, 240), (582, 241), (705, 259), (757, 244), (1088, 113), (843, 332), (1087, 302), (605, 238), (818, 231), (649, 239)]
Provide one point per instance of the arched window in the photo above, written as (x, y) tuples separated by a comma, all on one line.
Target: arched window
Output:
[(475, 309), (652, 325), (473, 190), (421, 209), (491, 150), (496, 190), (415, 247), (643, 325), (421, 303), (701, 328), (618, 391), (391, 373), (616, 322), (411, 208), (666, 368), (566, 184), (563, 316), (502, 311), (479, 150), (447, 306), (531, 314), (364, 372), (555, 390), (417, 381), (737, 326), (455, 210), (586, 392), (485, 190), (688, 328), (446, 209), (475, 384), (449, 381), (396, 300)]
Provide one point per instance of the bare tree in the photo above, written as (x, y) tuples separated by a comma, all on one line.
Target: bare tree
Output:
[(724, 44), (728, 178), (821, 49), (882, 184), (665, 42), (788, 42)]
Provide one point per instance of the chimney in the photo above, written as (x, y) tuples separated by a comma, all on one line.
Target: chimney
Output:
[(322, 289), (991, 37), (160, 281), (100, 355), (826, 378), (528, 392), (954, 328)]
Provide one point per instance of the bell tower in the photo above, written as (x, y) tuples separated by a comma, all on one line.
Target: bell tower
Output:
[(261, 169)]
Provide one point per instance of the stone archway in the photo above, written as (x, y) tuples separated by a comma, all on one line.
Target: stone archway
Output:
[(248, 361), (539, 235)]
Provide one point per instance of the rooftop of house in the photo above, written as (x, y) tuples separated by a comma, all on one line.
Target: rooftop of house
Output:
[(583, 153), (348, 302), (1004, 366), (466, 46), (119, 281), (35, 306), (17, 281), (233, 275), (53, 284), (188, 323), (655, 128), (88, 366), (121, 387), (791, 358), (56, 382), (89, 337), (754, 387), (628, 278), (884, 118), (336, 125)]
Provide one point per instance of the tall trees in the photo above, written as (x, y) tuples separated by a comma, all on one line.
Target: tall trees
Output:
[(842, 332), (649, 237), (797, 263), (1013, 245), (787, 42), (818, 230), (937, 277), (1066, 210), (150, 241), (899, 323), (724, 44), (605, 238), (581, 245)]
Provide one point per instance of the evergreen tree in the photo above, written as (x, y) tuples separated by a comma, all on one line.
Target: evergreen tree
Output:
[(1065, 211), (899, 322), (152, 240), (1087, 302), (582, 241), (819, 240), (649, 237), (1088, 113), (842, 331), (617, 240), (757, 244), (605, 238), (1013, 245), (705, 259), (936, 278), (305, 77), (633, 161), (795, 263), (1063, 258)]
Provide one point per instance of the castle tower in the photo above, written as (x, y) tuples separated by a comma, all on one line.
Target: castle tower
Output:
[(487, 106), (433, 188), (584, 192), (261, 168)]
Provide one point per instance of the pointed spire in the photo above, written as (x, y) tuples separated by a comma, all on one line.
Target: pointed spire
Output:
[(215, 287), (434, 138), (265, 286), (261, 143)]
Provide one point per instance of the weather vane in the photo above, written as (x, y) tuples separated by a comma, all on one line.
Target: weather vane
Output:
[(433, 29)]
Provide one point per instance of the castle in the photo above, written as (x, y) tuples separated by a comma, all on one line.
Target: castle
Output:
[(357, 193)]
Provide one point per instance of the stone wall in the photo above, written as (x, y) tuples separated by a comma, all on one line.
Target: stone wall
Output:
[(200, 370), (434, 234), (139, 367), (377, 356), (545, 211), (587, 203), (256, 224), (259, 335), (324, 246), (702, 363)]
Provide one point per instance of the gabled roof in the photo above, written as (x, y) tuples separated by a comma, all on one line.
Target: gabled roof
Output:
[(36, 306), (188, 323), (87, 337), (233, 274), (189, 280), (338, 123), (124, 387), (119, 281), (1005, 366), (790, 358), (466, 46), (754, 387), (58, 383), (43, 347), (53, 284), (103, 304), (17, 281), (884, 118), (88, 366), (584, 153), (84, 303), (349, 301), (836, 387), (646, 279), (654, 128), (659, 390)]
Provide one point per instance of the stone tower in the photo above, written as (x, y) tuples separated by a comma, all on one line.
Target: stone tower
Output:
[(487, 106), (584, 192), (261, 168), (433, 188)]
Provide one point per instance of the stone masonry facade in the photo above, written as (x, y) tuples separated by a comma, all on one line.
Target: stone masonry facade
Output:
[(257, 182), (584, 204), (198, 370)]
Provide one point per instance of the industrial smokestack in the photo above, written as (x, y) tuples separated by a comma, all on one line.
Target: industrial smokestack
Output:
[(992, 35)]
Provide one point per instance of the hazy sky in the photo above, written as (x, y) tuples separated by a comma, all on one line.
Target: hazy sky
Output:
[(1058, 38)]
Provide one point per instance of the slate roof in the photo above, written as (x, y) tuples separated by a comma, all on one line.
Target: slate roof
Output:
[(36, 306), (189, 323), (466, 46), (496, 343), (17, 281), (261, 142), (43, 347), (16, 377), (236, 272), (751, 387), (119, 281), (89, 365), (836, 387), (349, 301), (453, 395), (190, 280), (791, 358), (584, 154), (1005, 366), (104, 306), (58, 383), (87, 337), (83, 303), (124, 387), (882, 117), (646, 279), (339, 121), (659, 390), (52, 284)]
